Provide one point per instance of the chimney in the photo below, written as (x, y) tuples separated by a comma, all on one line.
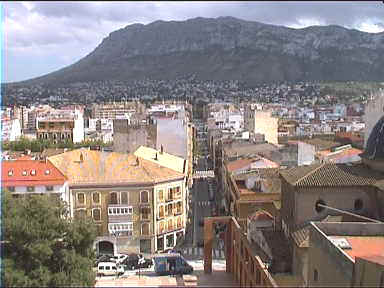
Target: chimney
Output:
[(156, 156), (137, 161), (81, 157), (161, 149)]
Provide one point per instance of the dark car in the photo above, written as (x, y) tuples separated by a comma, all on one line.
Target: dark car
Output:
[(136, 261)]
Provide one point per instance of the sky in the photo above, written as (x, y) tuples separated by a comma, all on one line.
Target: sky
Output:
[(42, 37)]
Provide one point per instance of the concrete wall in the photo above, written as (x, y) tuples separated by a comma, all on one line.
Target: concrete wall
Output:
[(127, 138), (332, 266), (300, 263), (339, 197), (368, 273)]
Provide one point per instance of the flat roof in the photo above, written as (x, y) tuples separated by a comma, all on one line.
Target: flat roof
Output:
[(364, 246)]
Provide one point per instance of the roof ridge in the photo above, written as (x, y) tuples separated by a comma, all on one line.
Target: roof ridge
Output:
[(310, 173)]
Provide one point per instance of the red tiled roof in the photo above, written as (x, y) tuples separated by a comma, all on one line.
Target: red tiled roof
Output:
[(40, 177), (241, 163), (365, 246)]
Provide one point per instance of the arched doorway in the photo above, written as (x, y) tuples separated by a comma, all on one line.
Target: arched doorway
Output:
[(105, 247)]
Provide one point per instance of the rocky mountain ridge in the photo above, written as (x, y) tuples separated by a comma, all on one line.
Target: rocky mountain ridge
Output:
[(228, 48)]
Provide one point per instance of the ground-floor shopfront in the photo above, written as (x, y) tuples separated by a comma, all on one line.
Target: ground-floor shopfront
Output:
[(114, 245)]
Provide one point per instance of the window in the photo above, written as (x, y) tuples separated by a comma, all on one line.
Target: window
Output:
[(179, 207), (144, 197), (10, 172), (96, 197), (145, 213), (161, 226), (124, 197), (96, 214), (113, 198), (80, 198), (33, 172), (170, 209), (48, 188), (170, 224), (11, 188), (145, 229), (24, 173), (120, 211), (179, 222), (31, 189), (358, 204), (315, 275), (160, 194), (177, 193), (161, 211), (80, 213), (47, 172)]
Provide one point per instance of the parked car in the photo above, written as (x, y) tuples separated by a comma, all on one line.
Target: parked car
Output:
[(109, 269), (136, 261)]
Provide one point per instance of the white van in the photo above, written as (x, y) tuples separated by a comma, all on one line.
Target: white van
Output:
[(109, 269)]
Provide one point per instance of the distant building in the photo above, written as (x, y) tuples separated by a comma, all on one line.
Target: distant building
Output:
[(116, 110), (129, 135), (261, 122), (61, 126)]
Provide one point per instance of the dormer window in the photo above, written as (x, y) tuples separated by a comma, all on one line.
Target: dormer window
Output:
[(24, 173), (33, 172), (47, 172), (10, 173)]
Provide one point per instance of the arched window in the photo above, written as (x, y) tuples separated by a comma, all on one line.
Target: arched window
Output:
[(144, 197), (315, 275), (145, 229), (113, 198)]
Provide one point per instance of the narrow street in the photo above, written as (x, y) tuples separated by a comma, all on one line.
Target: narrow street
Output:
[(203, 201)]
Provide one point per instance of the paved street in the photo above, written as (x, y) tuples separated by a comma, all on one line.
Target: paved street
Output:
[(148, 277)]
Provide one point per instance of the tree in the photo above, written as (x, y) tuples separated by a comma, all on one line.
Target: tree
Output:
[(43, 247)]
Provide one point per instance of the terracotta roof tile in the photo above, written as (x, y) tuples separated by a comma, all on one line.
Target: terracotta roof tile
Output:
[(330, 174), (242, 163), (30, 173), (99, 167)]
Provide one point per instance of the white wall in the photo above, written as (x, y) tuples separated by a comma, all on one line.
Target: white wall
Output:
[(15, 130), (78, 130)]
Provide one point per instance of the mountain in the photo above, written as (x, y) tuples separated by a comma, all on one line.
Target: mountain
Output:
[(229, 48)]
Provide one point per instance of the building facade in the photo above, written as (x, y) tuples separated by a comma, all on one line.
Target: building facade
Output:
[(137, 205), (34, 177)]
